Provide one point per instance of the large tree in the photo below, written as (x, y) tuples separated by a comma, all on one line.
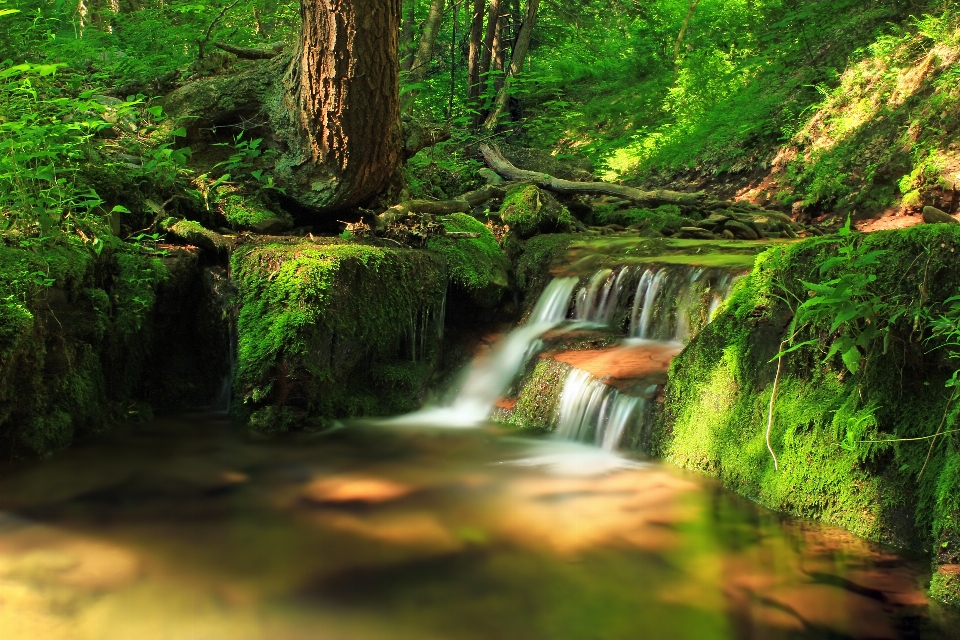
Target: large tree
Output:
[(342, 87), (331, 110)]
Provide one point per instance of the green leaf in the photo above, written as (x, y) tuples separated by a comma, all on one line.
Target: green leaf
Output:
[(180, 133), (156, 111), (120, 209), (851, 358)]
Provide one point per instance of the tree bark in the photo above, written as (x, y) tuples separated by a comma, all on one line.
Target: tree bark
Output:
[(516, 63), (339, 118), (683, 31), (487, 54), (473, 56)]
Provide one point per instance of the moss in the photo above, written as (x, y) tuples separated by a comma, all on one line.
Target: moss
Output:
[(246, 212), (945, 586), (74, 341), (476, 265), (533, 266), (196, 234), (316, 316), (715, 410), (536, 408), (666, 219), (529, 211)]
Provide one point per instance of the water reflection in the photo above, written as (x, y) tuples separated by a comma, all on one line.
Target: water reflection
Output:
[(185, 529)]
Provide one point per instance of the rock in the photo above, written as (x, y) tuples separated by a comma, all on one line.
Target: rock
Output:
[(529, 211), (492, 177), (270, 226), (695, 233), (190, 232), (932, 215), (615, 227), (715, 219), (727, 234), (741, 230)]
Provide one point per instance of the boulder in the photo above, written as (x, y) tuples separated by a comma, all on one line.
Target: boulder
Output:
[(932, 215), (741, 230)]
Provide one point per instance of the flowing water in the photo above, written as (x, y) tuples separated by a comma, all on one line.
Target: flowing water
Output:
[(186, 529), (191, 528)]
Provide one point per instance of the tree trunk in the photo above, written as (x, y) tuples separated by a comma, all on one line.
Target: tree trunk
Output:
[(474, 55), (683, 32), (409, 20), (516, 63), (421, 62), (490, 39), (339, 117)]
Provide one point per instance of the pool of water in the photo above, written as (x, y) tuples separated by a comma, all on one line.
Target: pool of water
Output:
[(188, 528)]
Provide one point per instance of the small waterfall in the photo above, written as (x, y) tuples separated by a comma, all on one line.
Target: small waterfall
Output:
[(592, 411), (673, 303), (488, 378), (425, 329)]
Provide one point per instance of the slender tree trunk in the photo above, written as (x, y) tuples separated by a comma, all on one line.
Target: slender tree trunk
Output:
[(474, 54), (339, 120), (421, 62), (408, 44), (683, 32), (516, 63)]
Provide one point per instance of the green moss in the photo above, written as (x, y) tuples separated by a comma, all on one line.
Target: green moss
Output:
[(716, 402), (315, 317), (540, 254), (666, 219), (74, 340), (536, 408), (477, 265), (945, 587), (529, 211), (196, 234), (247, 212)]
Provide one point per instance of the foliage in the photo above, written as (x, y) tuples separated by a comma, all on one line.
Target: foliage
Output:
[(853, 448)]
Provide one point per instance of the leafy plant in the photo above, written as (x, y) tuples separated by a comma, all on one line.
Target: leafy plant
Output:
[(856, 315)]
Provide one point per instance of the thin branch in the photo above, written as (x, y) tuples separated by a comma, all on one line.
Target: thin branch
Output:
[(202, 43)]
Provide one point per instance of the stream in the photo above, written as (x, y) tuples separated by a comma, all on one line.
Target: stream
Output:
[(190, 527)]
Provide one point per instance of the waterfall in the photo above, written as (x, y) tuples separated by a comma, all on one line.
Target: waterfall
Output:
[(670, 303), (592, 411), (487, 378)]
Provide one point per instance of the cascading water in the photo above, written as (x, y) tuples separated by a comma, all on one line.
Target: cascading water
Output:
[(669, 305), (488, 378), (592, 411)]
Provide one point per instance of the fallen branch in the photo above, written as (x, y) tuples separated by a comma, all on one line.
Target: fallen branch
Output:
[(463, 204), (252, 53), (505, 168)]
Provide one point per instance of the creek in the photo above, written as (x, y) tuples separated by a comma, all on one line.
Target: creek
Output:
[(188, 527)]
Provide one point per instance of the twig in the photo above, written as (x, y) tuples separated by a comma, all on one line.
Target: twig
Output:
[(206, 38), (773, 395), (943, 433), (946, 410)]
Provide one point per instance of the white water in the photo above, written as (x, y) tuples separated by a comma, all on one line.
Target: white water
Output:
[(489, 377), (592, 411)]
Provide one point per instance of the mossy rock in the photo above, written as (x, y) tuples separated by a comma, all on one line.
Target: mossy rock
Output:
[(245, 212), (75, 340), (529, 210), (476, 265), (663, 220), (331, 329), (945, 585), (826, 422), (190, 232), (536, 407)]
